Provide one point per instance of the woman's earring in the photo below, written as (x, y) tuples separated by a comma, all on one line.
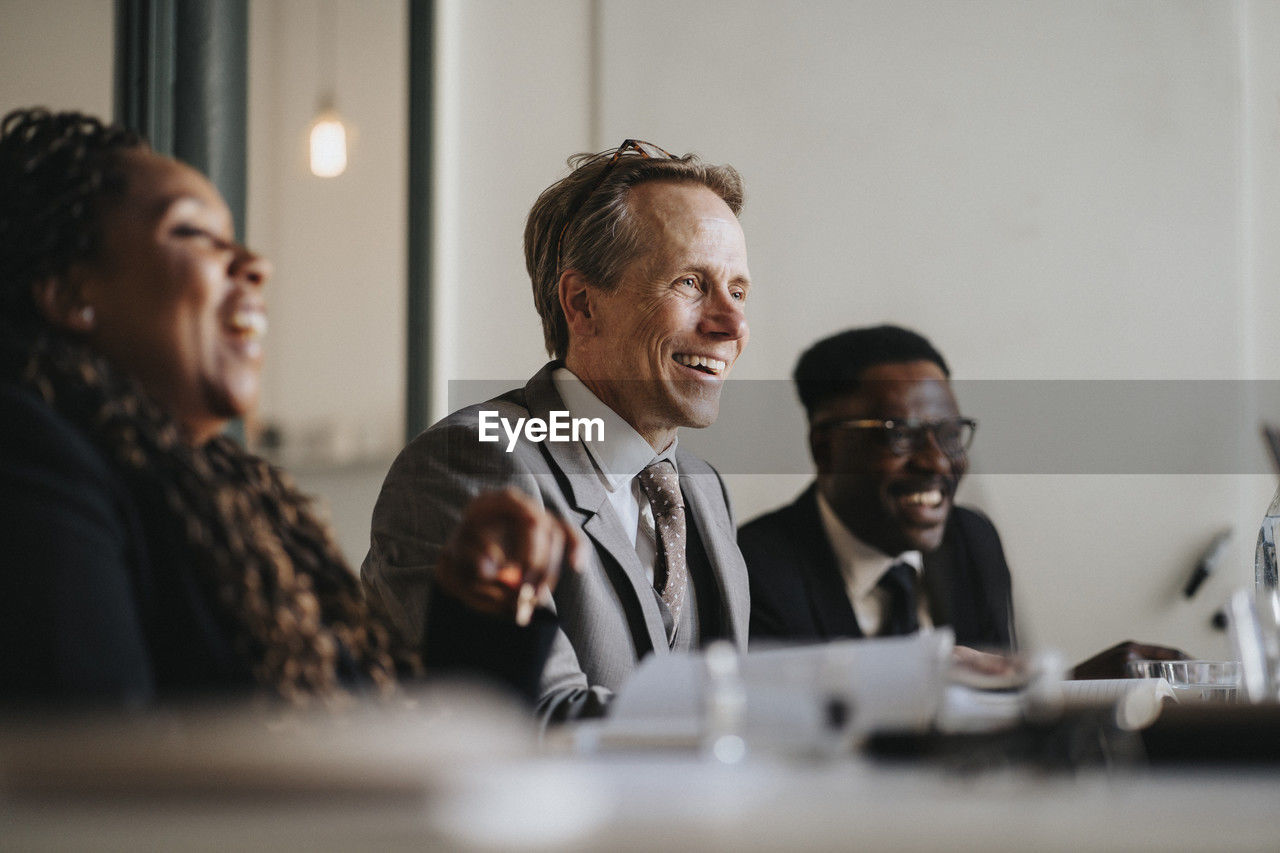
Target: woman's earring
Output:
[(86, 316)]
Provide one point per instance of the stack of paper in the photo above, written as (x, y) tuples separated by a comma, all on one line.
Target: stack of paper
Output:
[(797, 698)]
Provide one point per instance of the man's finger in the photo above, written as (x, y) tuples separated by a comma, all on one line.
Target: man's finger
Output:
[(525, 602)]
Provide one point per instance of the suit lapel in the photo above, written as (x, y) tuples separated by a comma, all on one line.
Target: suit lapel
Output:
[(828, 595), (596, 518), (722, 551)]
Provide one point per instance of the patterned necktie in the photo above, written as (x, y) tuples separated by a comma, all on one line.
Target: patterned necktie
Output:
[(900, 608), (670, 573)]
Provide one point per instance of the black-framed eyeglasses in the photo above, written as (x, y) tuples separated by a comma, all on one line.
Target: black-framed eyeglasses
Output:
[(901, 437), (642, 149)]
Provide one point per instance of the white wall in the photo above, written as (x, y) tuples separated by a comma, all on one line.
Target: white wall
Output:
[(513, 88), (57, 54), (1048, 190), (334, 379)]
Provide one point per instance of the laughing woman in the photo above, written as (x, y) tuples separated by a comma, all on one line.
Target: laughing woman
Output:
[(142, 554)]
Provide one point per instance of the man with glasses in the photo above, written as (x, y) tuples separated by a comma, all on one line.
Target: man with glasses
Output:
[(639, 273), (876, 546)]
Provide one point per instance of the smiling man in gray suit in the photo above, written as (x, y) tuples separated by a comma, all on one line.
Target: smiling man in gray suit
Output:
[(639, 272)]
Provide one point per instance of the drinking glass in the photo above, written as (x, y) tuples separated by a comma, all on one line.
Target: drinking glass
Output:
[(1204, 680)]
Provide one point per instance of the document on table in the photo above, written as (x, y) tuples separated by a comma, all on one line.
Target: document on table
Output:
[(965, 709), (796, 697), (1108, 691)]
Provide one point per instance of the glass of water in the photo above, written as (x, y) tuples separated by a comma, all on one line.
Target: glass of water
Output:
[(1203, 680)]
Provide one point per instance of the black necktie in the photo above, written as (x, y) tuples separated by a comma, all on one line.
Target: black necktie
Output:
[(899, 584)]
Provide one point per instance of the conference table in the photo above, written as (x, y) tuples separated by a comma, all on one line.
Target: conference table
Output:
[(461, 772)]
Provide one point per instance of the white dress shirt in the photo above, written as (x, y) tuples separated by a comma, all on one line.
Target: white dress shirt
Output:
[(618, 459), (862, 566)]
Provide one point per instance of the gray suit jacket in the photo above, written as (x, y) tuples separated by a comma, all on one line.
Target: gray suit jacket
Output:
[(609, 616)]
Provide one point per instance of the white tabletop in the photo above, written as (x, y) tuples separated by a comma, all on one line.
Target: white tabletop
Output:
[(638, 803)]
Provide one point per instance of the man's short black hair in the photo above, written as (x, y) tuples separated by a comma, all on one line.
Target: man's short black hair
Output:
[(833, 366)]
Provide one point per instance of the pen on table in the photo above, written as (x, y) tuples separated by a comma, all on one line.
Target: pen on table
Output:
[(1204, 566)]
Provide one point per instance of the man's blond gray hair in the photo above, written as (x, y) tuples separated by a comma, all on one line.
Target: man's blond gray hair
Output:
[(600, 236)]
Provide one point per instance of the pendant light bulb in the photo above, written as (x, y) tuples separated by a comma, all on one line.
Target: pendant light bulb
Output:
[(328, 145)]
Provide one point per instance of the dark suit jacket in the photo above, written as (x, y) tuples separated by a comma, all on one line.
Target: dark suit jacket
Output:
[(798, 593)]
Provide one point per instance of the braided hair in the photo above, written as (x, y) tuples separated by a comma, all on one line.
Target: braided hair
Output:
[(276, 580)]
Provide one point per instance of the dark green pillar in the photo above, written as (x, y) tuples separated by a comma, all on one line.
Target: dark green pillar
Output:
[(211, 94), (144, 69), (182, 81), (418, 363)]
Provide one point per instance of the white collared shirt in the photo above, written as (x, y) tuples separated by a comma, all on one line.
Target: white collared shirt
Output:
[(862, 566), (618, 459)]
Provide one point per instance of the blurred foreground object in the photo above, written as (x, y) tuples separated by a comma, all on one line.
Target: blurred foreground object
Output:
[(450, 766), (1255, 636), (1264, 559), (255, 750)]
